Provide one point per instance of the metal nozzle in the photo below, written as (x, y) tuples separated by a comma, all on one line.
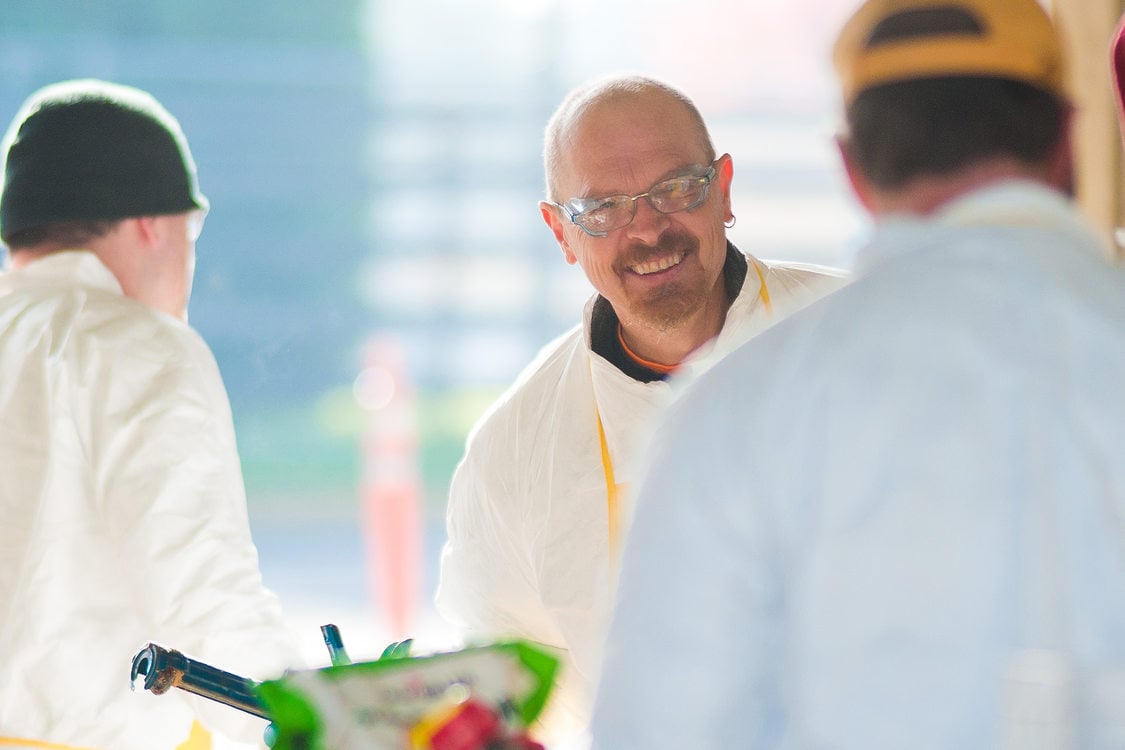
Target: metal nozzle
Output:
[(165, 668)]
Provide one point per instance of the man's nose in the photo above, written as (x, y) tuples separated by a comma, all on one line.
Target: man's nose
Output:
[(648, 223)]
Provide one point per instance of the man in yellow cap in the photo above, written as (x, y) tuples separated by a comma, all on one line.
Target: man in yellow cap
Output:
[(908, 531)]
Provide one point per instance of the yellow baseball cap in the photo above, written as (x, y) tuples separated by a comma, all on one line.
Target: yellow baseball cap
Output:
[(886, 41)]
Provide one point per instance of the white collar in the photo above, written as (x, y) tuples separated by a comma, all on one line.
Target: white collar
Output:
[(75, 267), (1010, 203)]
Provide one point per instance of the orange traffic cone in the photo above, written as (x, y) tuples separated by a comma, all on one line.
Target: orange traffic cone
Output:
[(390, 486)]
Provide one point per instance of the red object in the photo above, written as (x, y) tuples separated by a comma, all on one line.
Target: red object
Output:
[(1118, 58), (472, 727)]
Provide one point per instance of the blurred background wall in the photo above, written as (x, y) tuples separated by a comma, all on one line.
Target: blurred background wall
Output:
[(374, 269)]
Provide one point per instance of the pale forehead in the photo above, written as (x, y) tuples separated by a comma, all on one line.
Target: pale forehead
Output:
[(627, 143)]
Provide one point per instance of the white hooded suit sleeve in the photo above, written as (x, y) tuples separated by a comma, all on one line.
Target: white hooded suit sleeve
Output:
[(487, 583), (171, 482), (126, 520)]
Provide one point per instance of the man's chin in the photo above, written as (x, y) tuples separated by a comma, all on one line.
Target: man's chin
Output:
[(665, 308)]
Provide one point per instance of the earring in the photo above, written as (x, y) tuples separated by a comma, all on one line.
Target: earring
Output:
[(730, 222)]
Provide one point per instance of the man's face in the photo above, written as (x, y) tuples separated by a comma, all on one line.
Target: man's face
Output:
[(661, 268)]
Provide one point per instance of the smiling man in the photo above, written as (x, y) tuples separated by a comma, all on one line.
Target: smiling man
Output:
[(637, 197)]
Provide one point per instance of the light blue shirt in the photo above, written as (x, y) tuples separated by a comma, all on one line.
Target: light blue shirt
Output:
[(896, 519)]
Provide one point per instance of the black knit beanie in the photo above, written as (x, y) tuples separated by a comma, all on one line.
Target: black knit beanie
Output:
[(92, 150)]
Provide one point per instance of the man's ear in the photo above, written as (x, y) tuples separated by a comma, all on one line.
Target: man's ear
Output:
[(861, 188), (147, 229), (550, 214), (725, 178)]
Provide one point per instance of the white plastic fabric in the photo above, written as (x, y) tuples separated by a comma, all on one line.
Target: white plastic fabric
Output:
[(909, 530), (122, 516), (528, 553)]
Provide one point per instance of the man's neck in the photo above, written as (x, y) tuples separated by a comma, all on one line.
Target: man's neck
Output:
[(925, 195), (670, 346), (23, 257)]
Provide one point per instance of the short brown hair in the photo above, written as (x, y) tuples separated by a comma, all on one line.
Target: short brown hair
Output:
[(936, 126), (72, 233)]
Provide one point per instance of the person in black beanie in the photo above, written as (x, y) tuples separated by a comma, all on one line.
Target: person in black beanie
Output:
[(121, 494), (83, 155)]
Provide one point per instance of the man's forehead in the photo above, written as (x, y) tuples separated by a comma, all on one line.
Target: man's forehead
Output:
[(629, 176), (617, 148), (647, 115)]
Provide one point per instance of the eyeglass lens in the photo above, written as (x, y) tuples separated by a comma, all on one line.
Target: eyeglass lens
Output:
[(616, 211)]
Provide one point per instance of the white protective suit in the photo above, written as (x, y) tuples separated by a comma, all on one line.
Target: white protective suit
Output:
[(528, 553), (909, 530), (122, 516)]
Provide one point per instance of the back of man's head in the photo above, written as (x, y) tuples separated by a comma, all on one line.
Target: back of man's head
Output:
[(83, 153), (934, 86)]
